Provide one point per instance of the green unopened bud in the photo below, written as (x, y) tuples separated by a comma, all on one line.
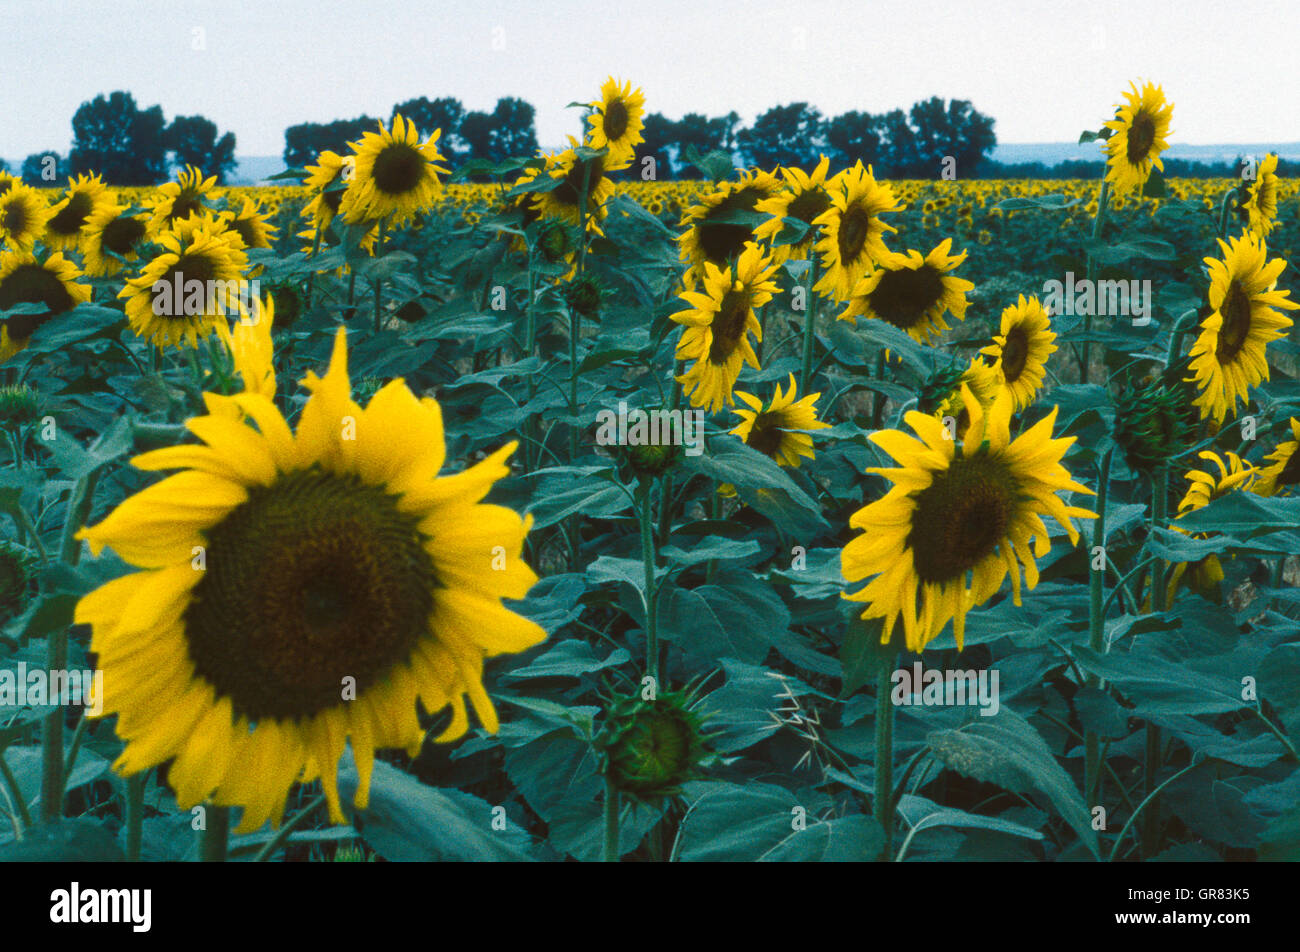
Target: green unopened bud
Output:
[(648, 749), (18, 405), (17, 573)]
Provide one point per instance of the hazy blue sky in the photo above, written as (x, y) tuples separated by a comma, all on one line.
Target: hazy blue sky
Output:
[(1044, 70)]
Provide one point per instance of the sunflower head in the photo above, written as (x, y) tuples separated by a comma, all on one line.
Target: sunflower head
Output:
[(19, 405), (912, 292), (1283, 472), (616, 119), (648, 749), (49, 283), (1258, 207), (713, 235), (1154, 423), (396, 175), (1138, 136), (1019, 352), (23, 217), (853, 232), (176, 201), (84, 195), (17, 576), (584, 295), (1204, 575), (803, 200), (779, 429)]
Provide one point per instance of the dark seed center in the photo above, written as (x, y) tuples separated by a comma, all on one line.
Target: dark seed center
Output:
[(1141, 135), (1290, 474), (809, 204), (616, 120), (854, 228), (766, 434), (399, 168), (961, 517), (122, 234), (1015, 353), (902, 297), (723, 243), (73, 215), (729, 326), (1236, 323), (32, 284)]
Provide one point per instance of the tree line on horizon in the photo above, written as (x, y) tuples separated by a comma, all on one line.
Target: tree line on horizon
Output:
[(129, 145)]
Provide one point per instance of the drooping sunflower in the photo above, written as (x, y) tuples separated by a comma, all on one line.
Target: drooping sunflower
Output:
[(1283, 470), (1260, 207), (564, 203), (303, 592), (853, 233), (396, 175), (1019, 353), (84, 196), (718, 324), (24, 214), (330, 167), (956, 522), (24, 279), (1228, 357), (616, 121), (1137, 138), (251, 223), (709, 238), (181, 294), (803, 200), (779, 430), (912, 292), (176, 201), (1205, 574), (110, 231)]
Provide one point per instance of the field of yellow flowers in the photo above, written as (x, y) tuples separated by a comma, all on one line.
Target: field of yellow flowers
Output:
[(541, 511)]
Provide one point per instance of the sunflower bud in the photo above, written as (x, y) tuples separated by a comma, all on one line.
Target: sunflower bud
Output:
[(648, 749), (554, 243), (648, 460), (17, 568), (288, 304), (938, 388), (1154, 423), (584, 295), (18, 405)]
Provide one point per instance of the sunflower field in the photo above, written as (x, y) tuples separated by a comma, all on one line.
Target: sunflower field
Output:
[(540, 510)]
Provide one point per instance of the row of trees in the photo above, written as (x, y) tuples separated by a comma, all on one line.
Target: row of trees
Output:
[(128, 145)]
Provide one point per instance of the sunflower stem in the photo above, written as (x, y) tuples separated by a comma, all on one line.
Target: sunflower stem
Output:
[(1182, 326), (134, 815), (611, 822), (878, 399), (809, 326), (1098, 224), (646, 518), (1224, 208), (16, 795), (1096, 620), (214, 841), (311, 278), (1151, 765), (282, 834), (379, 282), (883, 803)]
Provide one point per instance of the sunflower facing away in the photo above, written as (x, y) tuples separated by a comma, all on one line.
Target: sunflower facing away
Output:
[(110, 231), (176, 201), (1205, 574), (779, 429), (913, 292), (564, 203), (1283, 470), (1260, 207), (302, 591), (803, 200), (1228, 357), (853, 233), (23, 217), (956, 522), (718, 325), (206, 263), (708, 237), (1019, 353), (396, 175), (84, 195), (1138, 134), (26, 280), (616, 121)]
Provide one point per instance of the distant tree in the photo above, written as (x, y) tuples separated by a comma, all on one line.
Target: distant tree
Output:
[(508, 131), (953, 129), (784, 135), (898, 150), (114, 137), (305, 141), (45, 169), (660, 136), (854, 136), (706, 135), (192, 140), (445, 113)]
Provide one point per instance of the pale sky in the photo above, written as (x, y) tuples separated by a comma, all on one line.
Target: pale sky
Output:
[(1043, 70)]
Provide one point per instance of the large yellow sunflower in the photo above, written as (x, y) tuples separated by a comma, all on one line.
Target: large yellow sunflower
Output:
[(779, 430), (301, 592), (564, 202), (912, 292), (616, 121), (853, 233), (1228, 357), (193, 283), (1138, 137), (955, 523), (84, 196), (176, 201), (803, 200), (709, 237), (24, 214), (26, 280), (1260, 207), (1205, 574), (718, 324), (1283, 470), (1019, 353), (396, 175), (109, 232)]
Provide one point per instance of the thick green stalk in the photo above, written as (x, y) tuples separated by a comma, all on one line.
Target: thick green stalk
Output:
[(878, 398), (1098, 223), (809, 328), (646, 518), (214, 842), (311, 278), (379, 284), (611, 822), (883, 802), (1096, 628), (1151, 767)]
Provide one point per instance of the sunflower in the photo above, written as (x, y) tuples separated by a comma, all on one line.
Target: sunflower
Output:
[(26, 280), (396, 175), (1260, 208), (718, 325), (709, 238), (1137, 138), (616, 120), (1228, 357), (251, 223), (779, 429), (24, 214), (325, 201), (1284, 470), (564, 203), (176, 201), (7, 181), (1205, 574), (110, 237), (303, 591), (951, 515), (912, 292), (853, 233), (983, 382), (84, 196), (165, 304), (1019, 353), (803, 200)]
